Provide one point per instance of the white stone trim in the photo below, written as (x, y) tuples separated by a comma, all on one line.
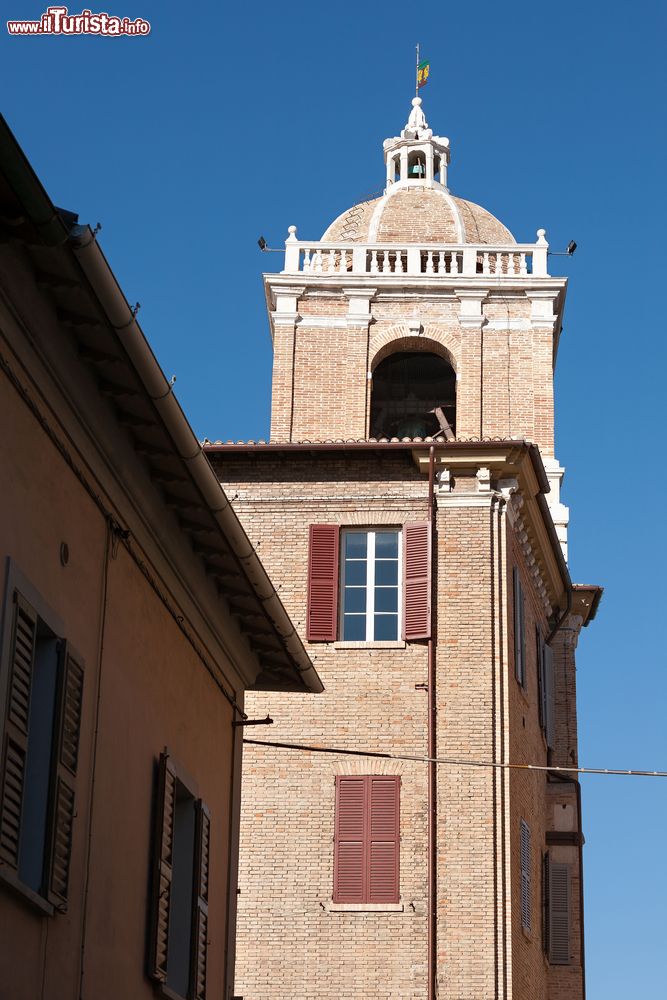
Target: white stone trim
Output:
[(532, 565), (325, 322), (330, 907), (371, 644)]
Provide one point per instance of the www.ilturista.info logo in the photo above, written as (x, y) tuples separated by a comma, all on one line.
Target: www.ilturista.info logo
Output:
[(58, 21)]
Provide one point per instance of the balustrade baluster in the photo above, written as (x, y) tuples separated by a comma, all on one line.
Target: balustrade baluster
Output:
[(429, 262), (522, 264), (374, 262), (454, 264), (486, 264), (342, 265), (399, 269), (442, 264), (306, 258)]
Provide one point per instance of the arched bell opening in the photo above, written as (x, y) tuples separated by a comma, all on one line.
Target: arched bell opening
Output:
[(413, 395), (417, 166)]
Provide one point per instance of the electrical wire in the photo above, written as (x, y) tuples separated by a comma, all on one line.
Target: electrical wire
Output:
[(453, 761)]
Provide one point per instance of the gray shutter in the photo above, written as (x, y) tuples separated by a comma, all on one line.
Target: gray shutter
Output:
[(546, 863), (200, 902), (519, 629), (162, 870), (15, 750), (526, 901), (559, 913), (64, 766), (549, 697)]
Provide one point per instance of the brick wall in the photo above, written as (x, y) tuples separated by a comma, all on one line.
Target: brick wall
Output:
[(504, 367), (290, 944)]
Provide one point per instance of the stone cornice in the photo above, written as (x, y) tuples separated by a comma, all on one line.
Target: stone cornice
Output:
[(506, 471)]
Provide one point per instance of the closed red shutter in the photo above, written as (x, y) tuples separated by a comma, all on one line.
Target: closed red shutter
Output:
[(322, 613), (350, 840), (367, 843), (417, 580), (384, 846)]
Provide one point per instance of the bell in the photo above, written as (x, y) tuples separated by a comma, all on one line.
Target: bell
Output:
[(417, 170), (411, 427)]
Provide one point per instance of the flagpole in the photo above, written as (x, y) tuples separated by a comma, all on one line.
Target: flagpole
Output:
[(417, 73)]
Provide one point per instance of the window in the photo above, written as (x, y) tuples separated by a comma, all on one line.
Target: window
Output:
[(365, 584), (366, 842), (524, 860), (369, 585), (42, 683), (519, 629), (556, 878), (413, 395), (546, 690), (179, 904)]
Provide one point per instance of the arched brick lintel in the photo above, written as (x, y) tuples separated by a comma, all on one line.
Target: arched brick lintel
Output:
[(433, 340)]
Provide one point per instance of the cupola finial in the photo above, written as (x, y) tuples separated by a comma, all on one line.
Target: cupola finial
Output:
[(416, 156), (416, 126)]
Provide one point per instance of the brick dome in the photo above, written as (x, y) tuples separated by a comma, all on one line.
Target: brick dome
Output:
[(417, 214)]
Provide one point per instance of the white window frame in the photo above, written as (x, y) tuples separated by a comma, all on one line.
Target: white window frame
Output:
[(370, 579)]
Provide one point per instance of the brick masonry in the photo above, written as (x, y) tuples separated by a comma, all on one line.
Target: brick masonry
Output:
[(290, 944), (504, 366), (330, 333)]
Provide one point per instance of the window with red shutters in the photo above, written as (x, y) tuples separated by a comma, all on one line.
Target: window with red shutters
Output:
[(367, 841), (367, 575), (322, 613)]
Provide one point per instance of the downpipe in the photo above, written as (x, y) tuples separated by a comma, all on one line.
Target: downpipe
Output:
[(432, 924)]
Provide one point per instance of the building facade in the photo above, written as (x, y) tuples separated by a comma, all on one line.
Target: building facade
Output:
[(408, 506), (134, 615)]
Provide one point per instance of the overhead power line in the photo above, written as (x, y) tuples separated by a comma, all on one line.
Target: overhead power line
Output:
[(465, 762)]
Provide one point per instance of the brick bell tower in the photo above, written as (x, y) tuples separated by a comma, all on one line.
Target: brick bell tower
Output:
[(407, 503)]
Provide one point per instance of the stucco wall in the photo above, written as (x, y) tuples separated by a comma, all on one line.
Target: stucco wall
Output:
[(153, 692)]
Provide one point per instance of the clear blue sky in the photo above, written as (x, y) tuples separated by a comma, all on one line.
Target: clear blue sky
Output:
[(221, 126)]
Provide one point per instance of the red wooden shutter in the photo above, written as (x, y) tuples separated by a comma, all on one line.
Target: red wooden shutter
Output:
[(322, 613), (200, 902), (367, 843), (417, 580), (21, 664), (351, 829), (384, 845), (162, 870), (64, 764)]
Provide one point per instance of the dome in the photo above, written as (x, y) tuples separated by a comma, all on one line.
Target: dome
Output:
[(417, 215)]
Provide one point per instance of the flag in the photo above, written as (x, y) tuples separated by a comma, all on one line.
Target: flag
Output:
[(423, 70)]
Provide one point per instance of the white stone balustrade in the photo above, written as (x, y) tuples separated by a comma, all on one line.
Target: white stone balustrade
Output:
[(440, 260)]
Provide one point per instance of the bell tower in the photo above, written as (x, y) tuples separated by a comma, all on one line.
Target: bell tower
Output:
[(417, 315), (407, 506)]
